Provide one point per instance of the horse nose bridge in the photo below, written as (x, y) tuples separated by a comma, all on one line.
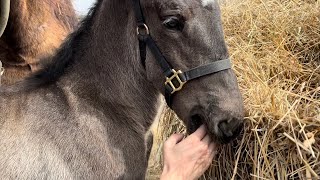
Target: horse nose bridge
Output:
[(226, 107), (230, 101)]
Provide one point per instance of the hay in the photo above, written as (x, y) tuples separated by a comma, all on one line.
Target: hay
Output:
[(275, 47)]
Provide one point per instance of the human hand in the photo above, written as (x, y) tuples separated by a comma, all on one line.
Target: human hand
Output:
[(188, 159)]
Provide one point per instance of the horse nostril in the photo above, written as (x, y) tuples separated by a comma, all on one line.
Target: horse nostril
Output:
[(230, 129), (195, 122), (226, 128)]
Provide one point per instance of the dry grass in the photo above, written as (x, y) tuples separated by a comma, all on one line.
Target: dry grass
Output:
[(275, 47)]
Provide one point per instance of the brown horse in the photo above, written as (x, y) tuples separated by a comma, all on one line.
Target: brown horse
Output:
[(35, 30), (85, 116)]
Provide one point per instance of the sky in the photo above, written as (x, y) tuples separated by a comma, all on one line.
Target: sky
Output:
[(82, 6)]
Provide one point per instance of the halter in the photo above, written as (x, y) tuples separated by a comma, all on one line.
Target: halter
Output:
[(175, 79)]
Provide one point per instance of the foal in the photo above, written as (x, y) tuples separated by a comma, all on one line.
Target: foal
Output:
[(85, 115)]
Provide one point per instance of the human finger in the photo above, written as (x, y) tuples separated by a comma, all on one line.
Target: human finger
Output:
[(199, 133), (212, 149), (173, 140), (206, 140)]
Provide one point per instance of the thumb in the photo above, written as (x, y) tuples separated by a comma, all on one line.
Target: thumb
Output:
[(173, 140)]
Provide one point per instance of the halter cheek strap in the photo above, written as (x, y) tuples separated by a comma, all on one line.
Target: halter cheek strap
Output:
[(175, 79)]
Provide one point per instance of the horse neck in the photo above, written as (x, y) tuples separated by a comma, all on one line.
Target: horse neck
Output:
[(108, 69)]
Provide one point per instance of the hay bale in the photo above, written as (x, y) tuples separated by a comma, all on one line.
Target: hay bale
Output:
[(275, 47)]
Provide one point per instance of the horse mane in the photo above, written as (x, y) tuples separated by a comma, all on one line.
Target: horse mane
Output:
[(60, 62)]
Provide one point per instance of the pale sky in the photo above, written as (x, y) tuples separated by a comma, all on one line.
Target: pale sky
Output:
[(82, 6)]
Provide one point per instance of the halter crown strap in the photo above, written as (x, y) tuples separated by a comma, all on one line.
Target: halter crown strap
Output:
[(175, 79), (138, 12), (146, 40)]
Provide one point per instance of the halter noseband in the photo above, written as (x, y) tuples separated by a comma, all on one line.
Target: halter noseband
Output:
[(175, 79)]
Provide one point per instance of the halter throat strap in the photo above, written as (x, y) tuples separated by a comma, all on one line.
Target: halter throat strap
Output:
[(175, 79)]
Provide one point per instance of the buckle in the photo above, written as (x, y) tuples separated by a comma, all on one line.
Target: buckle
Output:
[(175, 76), (143, 28)]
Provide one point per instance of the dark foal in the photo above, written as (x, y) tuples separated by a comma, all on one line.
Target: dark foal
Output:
[(86, 115)]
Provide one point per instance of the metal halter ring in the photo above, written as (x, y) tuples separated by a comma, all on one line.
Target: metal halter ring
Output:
[(143, 27)]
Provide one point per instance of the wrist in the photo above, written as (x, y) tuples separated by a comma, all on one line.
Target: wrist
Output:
[(169, 174)]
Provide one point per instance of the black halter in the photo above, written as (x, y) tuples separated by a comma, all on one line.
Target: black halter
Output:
[(175, 79)]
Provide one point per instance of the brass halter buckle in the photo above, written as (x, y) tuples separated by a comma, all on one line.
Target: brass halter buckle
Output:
[(176, 77)]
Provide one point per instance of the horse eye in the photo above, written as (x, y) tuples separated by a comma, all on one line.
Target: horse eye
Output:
[(173, 23)]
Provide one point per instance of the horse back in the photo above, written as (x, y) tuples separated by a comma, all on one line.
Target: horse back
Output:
[(50, 134)]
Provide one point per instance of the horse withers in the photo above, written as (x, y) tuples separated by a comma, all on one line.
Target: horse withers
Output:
[(85, 116)]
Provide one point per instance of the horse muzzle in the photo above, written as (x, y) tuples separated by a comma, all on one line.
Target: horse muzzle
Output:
[(223, 128)]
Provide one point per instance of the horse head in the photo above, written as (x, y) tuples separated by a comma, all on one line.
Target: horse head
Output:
[(189, 35)]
